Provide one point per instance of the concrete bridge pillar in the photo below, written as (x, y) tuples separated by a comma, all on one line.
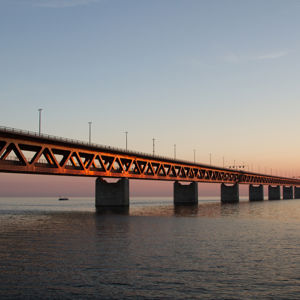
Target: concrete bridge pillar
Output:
[(256, 193), (230, 193), (287, 192), (297, 192), (274, 192), (185, 194), (112, 194)]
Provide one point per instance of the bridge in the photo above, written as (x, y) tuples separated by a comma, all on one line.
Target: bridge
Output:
[(32, 153)]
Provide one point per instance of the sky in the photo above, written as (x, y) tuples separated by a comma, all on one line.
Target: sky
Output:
[(218, 77)]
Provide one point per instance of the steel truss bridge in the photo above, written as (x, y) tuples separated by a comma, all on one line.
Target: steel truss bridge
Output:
[(31, 153)]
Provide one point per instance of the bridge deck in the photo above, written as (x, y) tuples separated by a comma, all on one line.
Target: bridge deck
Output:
[(28, 152)]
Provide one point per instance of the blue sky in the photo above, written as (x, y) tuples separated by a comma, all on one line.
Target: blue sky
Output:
[(220, 77)]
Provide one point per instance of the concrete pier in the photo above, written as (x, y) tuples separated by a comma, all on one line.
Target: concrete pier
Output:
[(185, 194), (297, 192), (287, 192), (274, 192), (112, 194), (230, 193), (256, 193)]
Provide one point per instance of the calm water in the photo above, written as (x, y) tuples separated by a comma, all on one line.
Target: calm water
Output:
[(53, 249)]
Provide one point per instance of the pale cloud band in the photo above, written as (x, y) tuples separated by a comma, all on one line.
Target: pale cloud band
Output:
[(273, 55), (235, 58)]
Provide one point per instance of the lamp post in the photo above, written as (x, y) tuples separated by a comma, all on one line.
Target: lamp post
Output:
[(40, 120), (153, 145), (90, 132), (174, 151), (126, 133), (210, 158), (194, 156)]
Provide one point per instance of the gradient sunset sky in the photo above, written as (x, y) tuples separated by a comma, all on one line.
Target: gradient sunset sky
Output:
[(221, 77)]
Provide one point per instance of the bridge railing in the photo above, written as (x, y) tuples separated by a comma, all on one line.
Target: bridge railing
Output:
[(95, 145)]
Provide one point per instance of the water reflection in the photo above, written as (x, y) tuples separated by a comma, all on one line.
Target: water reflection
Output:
[(183, 210), (112, 210), (288, 210), (215, 209), (206, 251), (229, 209)]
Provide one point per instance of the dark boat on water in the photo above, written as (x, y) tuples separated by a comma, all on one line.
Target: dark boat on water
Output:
[(63, 198)]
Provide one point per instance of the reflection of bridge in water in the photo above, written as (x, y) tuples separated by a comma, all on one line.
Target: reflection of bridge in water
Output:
[(30, 153)]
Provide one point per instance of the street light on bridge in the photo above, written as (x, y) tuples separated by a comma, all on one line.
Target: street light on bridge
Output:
[(126, 133), (90, 132), (153, 145), (40, 120), (174, 151)]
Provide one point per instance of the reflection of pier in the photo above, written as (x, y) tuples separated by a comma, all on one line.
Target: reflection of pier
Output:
[(32, 153)]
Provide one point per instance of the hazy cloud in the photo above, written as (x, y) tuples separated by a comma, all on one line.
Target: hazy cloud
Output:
[(62, 3), (235, 58), (272, 55)]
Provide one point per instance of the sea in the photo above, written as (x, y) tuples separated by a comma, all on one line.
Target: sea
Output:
[(52, 249)]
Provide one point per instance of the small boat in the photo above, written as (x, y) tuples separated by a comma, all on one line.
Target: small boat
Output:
[(63, 198)]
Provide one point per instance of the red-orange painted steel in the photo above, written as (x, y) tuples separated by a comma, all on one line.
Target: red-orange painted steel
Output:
[(30, 153)]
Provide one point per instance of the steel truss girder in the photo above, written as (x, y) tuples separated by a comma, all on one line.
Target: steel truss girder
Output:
[(49, 157)]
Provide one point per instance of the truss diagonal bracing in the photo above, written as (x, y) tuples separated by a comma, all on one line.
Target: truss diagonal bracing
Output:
[(33, 154)]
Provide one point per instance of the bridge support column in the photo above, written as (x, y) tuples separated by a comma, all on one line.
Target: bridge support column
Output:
[(274, 192), (230, 193), (185, 194), (112, 194), (287, 192), (256, 193), (297, 192)]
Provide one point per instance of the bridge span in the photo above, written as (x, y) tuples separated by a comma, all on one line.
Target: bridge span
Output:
[(32, 153)]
